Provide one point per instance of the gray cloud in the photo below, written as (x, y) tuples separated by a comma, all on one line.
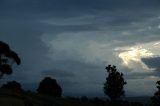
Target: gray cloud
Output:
[(77, 75), (58, 73), (152, 62)]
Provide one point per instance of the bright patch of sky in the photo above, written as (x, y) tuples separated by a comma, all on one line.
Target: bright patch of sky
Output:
[(134, 54)]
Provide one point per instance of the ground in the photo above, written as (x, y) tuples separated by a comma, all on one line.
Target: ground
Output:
[(18, 98)]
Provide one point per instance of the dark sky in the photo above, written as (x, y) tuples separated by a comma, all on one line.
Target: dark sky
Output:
[(73, 41)]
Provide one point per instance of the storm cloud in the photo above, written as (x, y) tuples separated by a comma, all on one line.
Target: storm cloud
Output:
[(73, 41)]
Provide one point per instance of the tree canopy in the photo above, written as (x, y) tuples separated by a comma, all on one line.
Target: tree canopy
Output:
[(113, 86), (49, 86), (7, 58)]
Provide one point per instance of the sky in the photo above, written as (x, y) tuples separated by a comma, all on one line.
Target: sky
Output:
[(74, 40)]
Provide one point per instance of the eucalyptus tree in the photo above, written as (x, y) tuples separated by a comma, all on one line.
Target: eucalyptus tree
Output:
[(7, 58)]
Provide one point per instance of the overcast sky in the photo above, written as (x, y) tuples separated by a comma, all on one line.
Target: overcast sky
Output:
[(73, 40)]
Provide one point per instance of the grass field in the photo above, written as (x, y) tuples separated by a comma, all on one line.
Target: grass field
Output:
[(21, 98), (18, 98)]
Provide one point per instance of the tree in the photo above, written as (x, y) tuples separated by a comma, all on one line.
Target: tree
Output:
[(155, 100), (113, 86), (49, 86), (14, 85), (7, 58)]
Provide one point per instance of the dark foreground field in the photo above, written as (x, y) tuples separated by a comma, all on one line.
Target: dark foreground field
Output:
[(18, 98), (21, 98)]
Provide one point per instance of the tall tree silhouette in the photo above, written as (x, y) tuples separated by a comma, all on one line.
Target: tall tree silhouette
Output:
[(155, 100), (49, 86), (7, 58), (113, 86)]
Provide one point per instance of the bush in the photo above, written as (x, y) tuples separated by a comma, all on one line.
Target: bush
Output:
[(49, 86), (12, 85)]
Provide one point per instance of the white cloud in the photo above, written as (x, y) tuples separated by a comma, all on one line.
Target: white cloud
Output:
[(132, 56)]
